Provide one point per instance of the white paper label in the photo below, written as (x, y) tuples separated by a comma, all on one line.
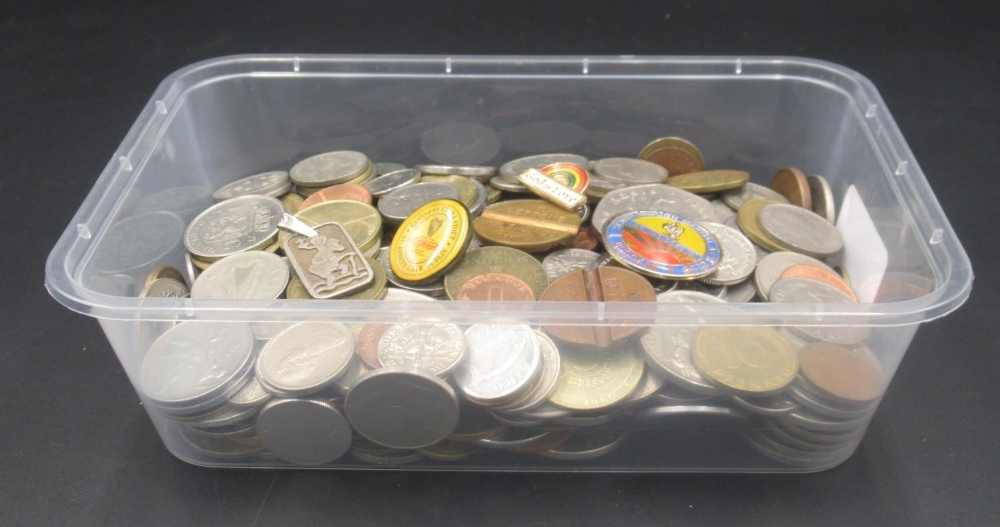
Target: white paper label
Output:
[(865, 255)]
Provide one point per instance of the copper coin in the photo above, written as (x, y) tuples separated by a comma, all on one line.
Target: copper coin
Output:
[(367, 343), (496, 287), (347, 191), (531, 225), (676, 155), (587, 239), (604, 284), (843, 374), (820, 275), (793, 185)]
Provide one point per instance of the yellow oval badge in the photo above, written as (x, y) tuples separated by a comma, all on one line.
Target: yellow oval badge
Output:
[(430, 240)]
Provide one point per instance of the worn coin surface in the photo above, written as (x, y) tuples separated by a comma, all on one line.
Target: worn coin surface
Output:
[(304, 431), (530, 225), (735, 198), (709, 181), (738, 257), (652, 197), (402, 407), (800, 230), (233, 226), (475, 171), (565, 261), (846, 375), (676, 155), (592, 381), (502, 360), (667, 349), (399, 204), (629, 171), (253, 275), (430, 241), (496, 260), (822, 196), (305, 358), (434, 348), (387, 183), (662, 245), (330, 168), (802, 290), (508, 185), (791, 183), (771, 267), (496, 287), (745, 360), (512, 169), (271, 184), (345, 191)]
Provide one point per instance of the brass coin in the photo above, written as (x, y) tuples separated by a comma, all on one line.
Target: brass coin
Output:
[(592, 381), (362, 222), (496, 287), (709, 181), (292, 202), (676, 155), (296, 289), (745, 360), (746, 218), (375, 289), (792, 184), (842, 374), (532, 225), (493, 195), (364, 177), (467, 190), (604, 284), (201, 264), (496, 260), (164, 271)]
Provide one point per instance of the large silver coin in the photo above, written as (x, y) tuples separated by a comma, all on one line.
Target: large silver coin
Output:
[(822, 196), (402, 407), (802, 290), (434, 289), (305, 358), (164, 288), (514, 168), (652, 197), (271, 184), (234, 226), (771, 267), (387, 183), (565, 261), (397, 205), (547, 381), (738, 257), (598, 188), (330, 168), (800, 230), (137, 242), (253, 275), (195, 363), (629, 171), (667, 349), (303, 431), (435, 348), (382, 168), (502, 360), (736, 197)]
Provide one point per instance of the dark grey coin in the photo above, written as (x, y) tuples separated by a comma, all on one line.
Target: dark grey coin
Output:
[(818, 440), (397, 205), (588, 444), (246, 432), (774, 405), (780, 434), (387, 183), (736, 197), (800, 230), (629, 171), (586, 420), (303, 431), (514, 168), (822, 197), (460, 144), (402, 407), (482, 196), (330, 168), (271, 184), (802, 290), (515, 438)]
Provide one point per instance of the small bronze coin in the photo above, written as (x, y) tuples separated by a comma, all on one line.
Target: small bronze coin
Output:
[(531, 225), (604, 284), (587, 238), (496, 287), (792, 184), (820, 275), (676, 155), (347, 191), (842, 374)]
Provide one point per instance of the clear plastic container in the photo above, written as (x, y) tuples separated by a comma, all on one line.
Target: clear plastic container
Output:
[(222, 119)]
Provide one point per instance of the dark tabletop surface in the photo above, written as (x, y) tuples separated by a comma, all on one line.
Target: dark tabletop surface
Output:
[(76, 448)]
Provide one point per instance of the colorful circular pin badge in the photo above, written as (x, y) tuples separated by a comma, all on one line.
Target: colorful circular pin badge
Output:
[(570, 175), (662, 245), (430, 241)]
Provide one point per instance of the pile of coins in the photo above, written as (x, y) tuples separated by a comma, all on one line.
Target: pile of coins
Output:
[(545, 228)]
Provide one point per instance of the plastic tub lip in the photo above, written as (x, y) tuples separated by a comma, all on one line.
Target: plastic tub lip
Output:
[(946, 253)]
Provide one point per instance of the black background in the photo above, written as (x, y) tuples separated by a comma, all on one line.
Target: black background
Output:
[(76, 448)]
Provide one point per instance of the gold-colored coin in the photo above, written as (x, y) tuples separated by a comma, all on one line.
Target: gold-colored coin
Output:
[(291, 201), (467, 191), (430, 241), (201, 264), (492, 195), (365, 176), (709, 181), (675, 154), (531, 225), (376, 289), (597, 380), (296, 289), (273, 248), (164, 271), (497, 260), (745, 360), (362, 221), (746, 218)]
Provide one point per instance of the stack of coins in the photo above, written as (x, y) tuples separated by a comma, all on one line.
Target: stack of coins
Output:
[(557, 227)]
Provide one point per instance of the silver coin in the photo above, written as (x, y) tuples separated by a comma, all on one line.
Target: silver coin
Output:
[(253, 275), (598, 188), (792, 457), (802, 290), (265, 184), (565, 261), (671, 395), (164, 288), (227, 415), (769, 406), (502, 360), (482, 196), (629, 171), (251, 395), (652, 197), (516, 438), (402, 407), (718, 291), (500, 183), (547, 381), (822, 197), (794, 438), (825, 408), (434, 289), (234, 226), (194, 364), (397, 205), (380, 169), (740, 293), (137, 242), (584, 212), (434, 348), (514, 168), (723, 212), (771, 267), (387, 183), (648, 386), (246, 432), (800, 230), (355, 370), (587, 420), (736, 197), (460, 144), (329, 168), (305, 358), (667, 349), (587, 444), (216, 449), (738, 257), (458, 170), (304, 431), (189, 269), (402, 295)]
